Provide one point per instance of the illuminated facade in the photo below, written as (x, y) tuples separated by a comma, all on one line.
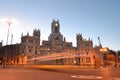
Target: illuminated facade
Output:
[(21, 53), (30, 47), (85, 50), (30, 44), (83, 53), (10, 54), (55, 42)]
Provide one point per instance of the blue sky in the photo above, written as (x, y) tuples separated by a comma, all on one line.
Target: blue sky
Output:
[(92, 18)]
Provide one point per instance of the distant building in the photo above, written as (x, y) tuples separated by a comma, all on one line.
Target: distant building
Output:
[(110, 58), (85, 50), (84, 54), (118, 58), (55, 42), (98, 56), (30, 45), (21, 53), (10, 54)]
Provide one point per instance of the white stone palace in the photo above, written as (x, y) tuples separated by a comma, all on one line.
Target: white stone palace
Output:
[(83, 54)]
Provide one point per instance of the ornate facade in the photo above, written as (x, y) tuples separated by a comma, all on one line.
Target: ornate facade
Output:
[(55, 40), (30, 44), (85, 50), (83, 54)]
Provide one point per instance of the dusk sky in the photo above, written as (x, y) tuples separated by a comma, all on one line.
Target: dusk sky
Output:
[(92, 18)]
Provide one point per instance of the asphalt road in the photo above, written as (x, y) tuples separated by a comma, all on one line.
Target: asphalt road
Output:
[(28, 74), (72, 74)]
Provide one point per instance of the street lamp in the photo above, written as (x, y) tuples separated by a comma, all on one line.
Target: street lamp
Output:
[(9, 22)]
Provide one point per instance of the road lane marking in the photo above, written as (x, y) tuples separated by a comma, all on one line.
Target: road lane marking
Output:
[(86, 77)]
